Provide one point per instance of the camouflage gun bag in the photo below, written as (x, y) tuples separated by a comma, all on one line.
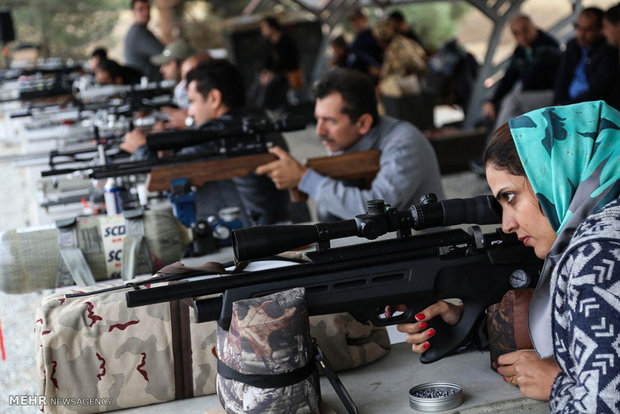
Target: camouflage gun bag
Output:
[(91, 345), (266, 359)]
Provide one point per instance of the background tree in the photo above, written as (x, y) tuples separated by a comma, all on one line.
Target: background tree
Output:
[(435, 23), (65, 28)]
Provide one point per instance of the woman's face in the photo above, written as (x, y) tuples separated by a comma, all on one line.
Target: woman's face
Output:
[(521, 213)]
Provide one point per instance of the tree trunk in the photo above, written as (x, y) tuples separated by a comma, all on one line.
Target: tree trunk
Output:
[(170, 13)]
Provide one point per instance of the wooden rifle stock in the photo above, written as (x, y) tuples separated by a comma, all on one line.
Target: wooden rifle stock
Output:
[(352, 166), (357, 165)]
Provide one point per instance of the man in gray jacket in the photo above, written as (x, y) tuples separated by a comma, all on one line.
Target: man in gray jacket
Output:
[(140, 43), (347, 121)]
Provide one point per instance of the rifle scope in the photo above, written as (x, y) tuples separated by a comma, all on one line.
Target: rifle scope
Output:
[(264, 241)]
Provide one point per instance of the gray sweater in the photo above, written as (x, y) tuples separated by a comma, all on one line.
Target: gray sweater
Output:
[(408, 170), (140, 45)]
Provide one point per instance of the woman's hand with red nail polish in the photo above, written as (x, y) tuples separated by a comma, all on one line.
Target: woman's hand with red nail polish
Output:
[(417, 332)]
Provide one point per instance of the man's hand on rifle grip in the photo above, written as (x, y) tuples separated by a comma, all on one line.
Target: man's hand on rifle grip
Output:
[(418, 333), (286, 172), (133, 139)]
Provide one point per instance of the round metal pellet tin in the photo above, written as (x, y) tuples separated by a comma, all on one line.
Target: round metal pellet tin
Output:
[(435, 396)]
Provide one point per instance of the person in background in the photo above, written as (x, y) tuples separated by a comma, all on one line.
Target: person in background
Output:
[(178, 117), (280, 66), (97, 55), (347, 121), (217, 101), (611, 30), (365, 46), (169, 62), (109, 72), (556, 174), (400, 26), (140, 42), (530, 76), (589, 68), (340, 53), (343, 57), (404, 61), (611, 26)]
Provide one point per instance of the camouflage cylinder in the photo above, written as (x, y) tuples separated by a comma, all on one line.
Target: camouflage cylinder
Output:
[(268, 336)]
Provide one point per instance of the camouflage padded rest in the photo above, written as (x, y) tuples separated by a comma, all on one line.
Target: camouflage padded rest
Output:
[(346, 342), (95, 347), (268, 337)]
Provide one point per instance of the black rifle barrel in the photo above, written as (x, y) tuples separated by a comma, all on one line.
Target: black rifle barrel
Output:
[(174, 140)]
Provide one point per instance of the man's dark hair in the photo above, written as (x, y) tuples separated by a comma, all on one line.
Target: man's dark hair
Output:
[(613, 14), (356, 89), (273, 23), (596, 13), (110, 66), (100, 52), (133, 2), (340, 42), (222, 75), (397, 16)]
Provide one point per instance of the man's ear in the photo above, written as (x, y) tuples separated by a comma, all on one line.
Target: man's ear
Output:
[(364, 123), (214, 97)]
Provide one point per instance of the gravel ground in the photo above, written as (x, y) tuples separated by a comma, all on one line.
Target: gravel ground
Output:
[(18, 375)]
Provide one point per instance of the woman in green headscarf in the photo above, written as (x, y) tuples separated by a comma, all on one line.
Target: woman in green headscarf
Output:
[(556, 171)]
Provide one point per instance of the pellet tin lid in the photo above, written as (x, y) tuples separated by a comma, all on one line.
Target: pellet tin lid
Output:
[(435, 396)]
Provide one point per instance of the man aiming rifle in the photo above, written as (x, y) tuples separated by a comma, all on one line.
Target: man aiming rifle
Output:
[(348, 122), (217, 99)]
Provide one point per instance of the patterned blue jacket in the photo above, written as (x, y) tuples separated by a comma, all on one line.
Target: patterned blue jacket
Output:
[(586, 317)]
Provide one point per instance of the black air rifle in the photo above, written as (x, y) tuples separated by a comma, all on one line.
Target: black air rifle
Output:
[(365, 278)]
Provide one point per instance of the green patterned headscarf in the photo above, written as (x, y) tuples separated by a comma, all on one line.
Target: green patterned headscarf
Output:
[(571, 156)]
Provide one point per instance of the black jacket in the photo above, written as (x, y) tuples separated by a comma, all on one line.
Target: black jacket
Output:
[(282, 56), (601, 71), (536, 74)]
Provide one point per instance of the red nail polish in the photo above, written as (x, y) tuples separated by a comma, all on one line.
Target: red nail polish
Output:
[(420, 317), (505, 380), (423, 325), (425, 345), (430, 332)]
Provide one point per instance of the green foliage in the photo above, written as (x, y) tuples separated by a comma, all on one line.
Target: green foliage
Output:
[(65, 28), (435, 23)]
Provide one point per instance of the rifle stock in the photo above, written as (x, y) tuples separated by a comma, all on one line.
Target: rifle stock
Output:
[(358, 165), (361, 165), (198, 173)]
